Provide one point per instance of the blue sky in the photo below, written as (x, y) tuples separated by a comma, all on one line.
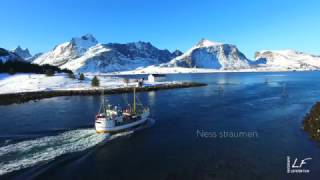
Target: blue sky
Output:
[(252, 25)]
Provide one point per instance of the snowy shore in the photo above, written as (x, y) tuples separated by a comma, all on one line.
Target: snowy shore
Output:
[(21, 97), (38, 82), (24, 87), (181, 70)]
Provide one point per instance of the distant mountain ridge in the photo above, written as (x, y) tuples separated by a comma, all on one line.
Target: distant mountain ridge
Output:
[(288, 59), (6, 55), (85, 54)]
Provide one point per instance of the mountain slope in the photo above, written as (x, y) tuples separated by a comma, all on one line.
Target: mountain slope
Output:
[(214, 55), (289, 59), (67, 51), (143, 50)]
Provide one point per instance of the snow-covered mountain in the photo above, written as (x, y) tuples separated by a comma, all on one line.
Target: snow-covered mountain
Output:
[(65, 52), (213, 55), (287, 59), (85, 54), (6, 55), (177, 53), (144, 50), (23, 53)]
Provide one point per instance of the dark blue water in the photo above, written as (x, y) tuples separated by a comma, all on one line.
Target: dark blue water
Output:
[(52, 138)]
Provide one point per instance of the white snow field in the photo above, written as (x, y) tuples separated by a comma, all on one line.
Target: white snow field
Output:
[(39, 82)]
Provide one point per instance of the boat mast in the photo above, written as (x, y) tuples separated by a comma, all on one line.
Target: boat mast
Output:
[(102, 99), (134, 100)]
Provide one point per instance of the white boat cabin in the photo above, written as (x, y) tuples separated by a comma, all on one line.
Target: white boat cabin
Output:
[(152, 78)]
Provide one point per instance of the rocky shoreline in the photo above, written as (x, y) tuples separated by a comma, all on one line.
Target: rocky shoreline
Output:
[(311, 122), (6, 99)]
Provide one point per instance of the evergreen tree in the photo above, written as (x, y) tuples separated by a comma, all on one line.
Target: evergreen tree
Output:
[(25, 67), (81, 77), (1, 66), (71, 76), (11, 71), (95, 81), (49, 72)]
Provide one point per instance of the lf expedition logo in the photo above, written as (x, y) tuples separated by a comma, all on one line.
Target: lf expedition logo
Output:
[(297, 166)]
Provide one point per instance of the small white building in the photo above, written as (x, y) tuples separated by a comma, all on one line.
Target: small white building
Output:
[(152, 78)]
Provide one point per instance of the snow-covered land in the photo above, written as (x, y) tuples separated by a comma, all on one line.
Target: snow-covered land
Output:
[(39, 82)]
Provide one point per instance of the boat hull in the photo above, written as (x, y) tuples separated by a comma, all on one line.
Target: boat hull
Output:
[(101, 127)]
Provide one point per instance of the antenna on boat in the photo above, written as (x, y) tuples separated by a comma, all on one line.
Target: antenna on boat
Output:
[(102, 98), (102, 103), (134, 100)]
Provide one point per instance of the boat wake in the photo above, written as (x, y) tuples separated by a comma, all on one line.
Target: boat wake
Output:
[(29, 153)]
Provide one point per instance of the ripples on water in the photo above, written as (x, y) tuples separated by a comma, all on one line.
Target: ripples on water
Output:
[(29, 153)]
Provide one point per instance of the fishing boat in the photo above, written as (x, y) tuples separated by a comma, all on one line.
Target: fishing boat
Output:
[(112, 119)]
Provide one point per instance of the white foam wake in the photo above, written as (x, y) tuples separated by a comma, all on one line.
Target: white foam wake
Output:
[(28, 153), (32, 152)]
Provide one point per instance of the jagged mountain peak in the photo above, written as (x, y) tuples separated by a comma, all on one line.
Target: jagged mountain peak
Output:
[(142, 43), (23, 53), (18, 48), (67, 51), (206, 43), (177, 52), (6, 55), (84, 41), (88, 36)]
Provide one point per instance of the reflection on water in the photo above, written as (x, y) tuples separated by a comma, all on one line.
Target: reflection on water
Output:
[(152, 97)]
